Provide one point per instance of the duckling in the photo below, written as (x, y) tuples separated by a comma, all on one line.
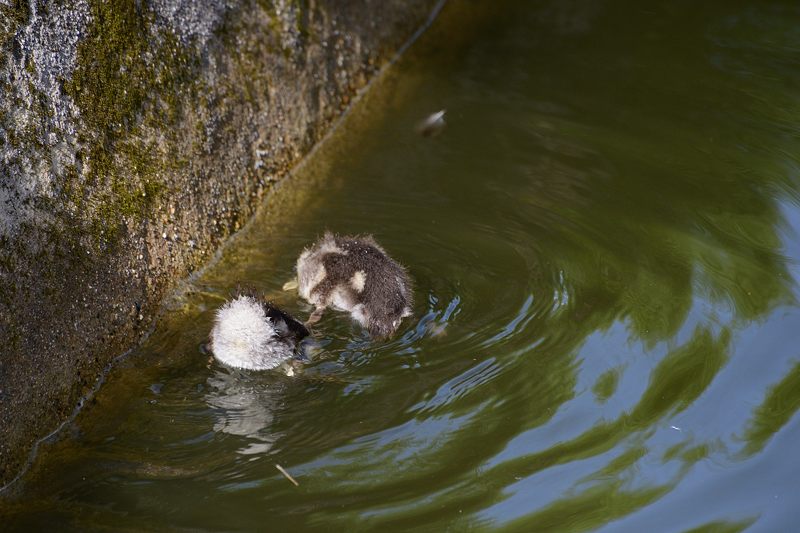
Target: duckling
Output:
[(251, 333), (354, 274)]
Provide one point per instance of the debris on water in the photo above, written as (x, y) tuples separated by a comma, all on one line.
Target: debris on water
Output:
[(155, 388), (287, 475), (676, 428), (290, 285), (432, 125)]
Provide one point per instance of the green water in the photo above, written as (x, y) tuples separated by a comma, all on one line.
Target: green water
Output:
[(604, 245)]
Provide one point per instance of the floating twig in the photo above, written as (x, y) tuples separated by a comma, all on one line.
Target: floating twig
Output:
[(287, 475), (432, 124)]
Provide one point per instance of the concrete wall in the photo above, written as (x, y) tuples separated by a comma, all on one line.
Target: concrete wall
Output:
[(135, 136)]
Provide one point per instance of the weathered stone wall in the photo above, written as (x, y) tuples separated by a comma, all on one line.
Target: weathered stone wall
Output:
[(135, 136)]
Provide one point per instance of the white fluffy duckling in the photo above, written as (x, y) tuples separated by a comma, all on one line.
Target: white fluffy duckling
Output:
[(251, 333), (354, 274)]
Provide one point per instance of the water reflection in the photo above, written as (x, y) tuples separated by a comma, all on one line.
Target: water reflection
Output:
[(244, 406), (779, 406)]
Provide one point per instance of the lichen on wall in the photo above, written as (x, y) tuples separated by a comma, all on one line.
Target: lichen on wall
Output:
[(135, 136), (38, 133)]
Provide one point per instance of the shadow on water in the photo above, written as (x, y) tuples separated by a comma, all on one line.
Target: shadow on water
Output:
[(604, 248)]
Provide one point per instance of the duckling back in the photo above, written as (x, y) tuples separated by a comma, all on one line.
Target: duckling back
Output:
[(354, 274), (253, 334)]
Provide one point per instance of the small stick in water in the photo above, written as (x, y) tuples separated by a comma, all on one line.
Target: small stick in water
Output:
[(287, 475)]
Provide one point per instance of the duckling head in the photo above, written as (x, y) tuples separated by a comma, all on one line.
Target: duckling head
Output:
[(253, 334), (383, 319)]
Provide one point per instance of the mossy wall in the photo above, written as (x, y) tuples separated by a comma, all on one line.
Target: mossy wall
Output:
[(135, 136)]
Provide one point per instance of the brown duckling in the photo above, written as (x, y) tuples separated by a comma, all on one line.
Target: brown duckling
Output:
[(356, 275)]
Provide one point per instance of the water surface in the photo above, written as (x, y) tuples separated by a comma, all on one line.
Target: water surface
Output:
[(604, 247)]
